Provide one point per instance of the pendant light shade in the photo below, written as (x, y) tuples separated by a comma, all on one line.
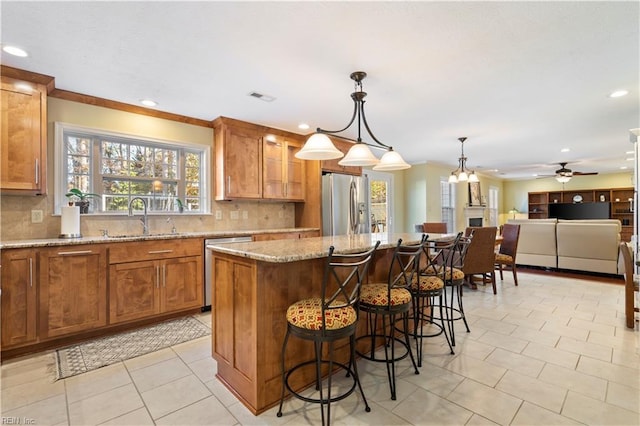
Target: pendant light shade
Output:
[(391, 160), (319, 147), (359, 154)]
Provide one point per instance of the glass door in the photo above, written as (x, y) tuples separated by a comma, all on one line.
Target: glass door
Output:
[(380, 205)]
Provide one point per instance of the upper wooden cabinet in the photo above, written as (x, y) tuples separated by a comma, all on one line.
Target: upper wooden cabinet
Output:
[(332, 166), (257, 162), (23, 143), (238, 164), (282, 173)]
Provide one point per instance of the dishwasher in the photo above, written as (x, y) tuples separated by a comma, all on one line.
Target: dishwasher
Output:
[(208, 267)]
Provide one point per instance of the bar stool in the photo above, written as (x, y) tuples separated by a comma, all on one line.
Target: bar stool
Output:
[(427, 290), (388, 300), (453, 278), (330, 317)]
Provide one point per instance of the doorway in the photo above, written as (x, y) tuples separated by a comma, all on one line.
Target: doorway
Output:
[(380, 201)]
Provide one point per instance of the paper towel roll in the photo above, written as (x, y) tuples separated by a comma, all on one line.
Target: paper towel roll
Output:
[(70, 223)]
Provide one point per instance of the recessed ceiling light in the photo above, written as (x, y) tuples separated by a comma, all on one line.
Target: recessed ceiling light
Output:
[(15, 51), (303, 126), (623, 168), (630, 159), (565, 150), (619, 93), (148, 102)]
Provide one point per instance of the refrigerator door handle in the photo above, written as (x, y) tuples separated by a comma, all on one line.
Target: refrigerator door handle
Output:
[(353, 208)]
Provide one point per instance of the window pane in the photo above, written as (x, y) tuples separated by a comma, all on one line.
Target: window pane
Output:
[(129, 167)]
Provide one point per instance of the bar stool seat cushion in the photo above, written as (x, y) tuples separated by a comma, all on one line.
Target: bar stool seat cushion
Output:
[(307, 314), (457, 273), (377, 295), (504, 258), (427, 283)]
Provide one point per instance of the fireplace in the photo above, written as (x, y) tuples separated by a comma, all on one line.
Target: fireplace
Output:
[(475, 221), (475, 215)]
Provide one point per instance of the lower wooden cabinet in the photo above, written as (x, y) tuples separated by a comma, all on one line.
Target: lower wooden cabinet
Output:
[(167, 278), (19, 290), (73, 289)]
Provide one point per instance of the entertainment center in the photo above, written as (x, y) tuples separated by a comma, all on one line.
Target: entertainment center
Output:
[(609, 203)]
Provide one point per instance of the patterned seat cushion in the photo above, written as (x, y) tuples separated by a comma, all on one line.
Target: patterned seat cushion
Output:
[(307, 314), (376, 294), (503, 258), (427, 283), (458, 275)]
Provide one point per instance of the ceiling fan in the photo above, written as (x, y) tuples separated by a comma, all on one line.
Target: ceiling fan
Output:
[(564, 174)]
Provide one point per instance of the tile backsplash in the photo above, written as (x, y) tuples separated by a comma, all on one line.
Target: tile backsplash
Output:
[(15, 220)]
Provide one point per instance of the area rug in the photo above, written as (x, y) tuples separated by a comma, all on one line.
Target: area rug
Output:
[(97, 353)]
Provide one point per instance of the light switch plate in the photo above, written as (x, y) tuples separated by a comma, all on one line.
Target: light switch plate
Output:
[(245, 214), (235, 215), (218, 214)]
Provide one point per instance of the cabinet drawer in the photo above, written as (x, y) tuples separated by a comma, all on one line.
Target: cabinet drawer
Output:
[(150, 250)]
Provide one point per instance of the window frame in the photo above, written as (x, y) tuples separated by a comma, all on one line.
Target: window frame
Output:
[(60, 166)]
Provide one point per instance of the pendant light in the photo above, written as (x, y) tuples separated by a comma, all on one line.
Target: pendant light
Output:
[(462, 174)]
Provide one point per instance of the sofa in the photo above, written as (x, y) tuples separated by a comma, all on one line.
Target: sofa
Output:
[(582, 245)]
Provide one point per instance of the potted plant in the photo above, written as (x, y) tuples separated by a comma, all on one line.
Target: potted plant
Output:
[(80, 199)]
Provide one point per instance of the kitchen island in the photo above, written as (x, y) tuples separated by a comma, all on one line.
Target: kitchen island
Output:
[(253, 285)]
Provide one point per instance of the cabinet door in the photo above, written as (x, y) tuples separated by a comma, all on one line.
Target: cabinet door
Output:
[(241, 163), (73, 290), (23, 137), (181, 281), (273, 170), (133, 290), (18, 297), (294, 185)]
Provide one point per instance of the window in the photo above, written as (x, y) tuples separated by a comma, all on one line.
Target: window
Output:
[(170, 176), (448, 203), (493, 205)]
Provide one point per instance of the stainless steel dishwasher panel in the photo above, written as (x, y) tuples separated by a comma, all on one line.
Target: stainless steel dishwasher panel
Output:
[(208, 267)]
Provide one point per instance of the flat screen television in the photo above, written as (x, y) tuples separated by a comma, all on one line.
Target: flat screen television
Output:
[(580, 210)]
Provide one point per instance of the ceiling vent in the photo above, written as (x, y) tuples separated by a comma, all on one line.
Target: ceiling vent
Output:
[(262, 97)]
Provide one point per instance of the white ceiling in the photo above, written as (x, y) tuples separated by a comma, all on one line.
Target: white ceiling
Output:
[(521, 80)]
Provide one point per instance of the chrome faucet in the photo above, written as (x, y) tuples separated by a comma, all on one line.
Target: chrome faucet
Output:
[(143, 219)]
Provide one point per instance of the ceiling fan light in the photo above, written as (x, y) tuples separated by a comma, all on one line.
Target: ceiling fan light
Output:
[(473, 177), (359, 155), (563, 179), (391, 160), (318, 147)]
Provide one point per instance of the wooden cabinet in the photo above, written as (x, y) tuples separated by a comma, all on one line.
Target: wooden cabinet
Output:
[(332, 166), (19, 289), (538, 202), (73, 289), (238, 161), (621, 200), (622, 209), (23, 142), (285, 235), (154, 277), (283, 173)]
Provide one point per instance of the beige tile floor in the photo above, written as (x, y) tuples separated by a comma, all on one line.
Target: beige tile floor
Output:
[(550, 351)]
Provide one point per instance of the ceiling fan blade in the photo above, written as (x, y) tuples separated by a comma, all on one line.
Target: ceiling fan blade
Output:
[(584, 174)]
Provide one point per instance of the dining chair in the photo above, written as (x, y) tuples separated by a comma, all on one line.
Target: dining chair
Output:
[(480, 257), (434, 227), (387, 302), (325, 319), (630, 286), (506, 255)]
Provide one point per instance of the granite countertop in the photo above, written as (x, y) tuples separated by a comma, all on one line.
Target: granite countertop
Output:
[(51, 242), (282, 251)]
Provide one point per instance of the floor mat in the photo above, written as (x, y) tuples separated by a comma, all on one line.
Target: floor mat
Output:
[(101, 352)]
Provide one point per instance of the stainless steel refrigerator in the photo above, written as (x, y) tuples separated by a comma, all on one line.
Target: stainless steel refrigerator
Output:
[(345, 204)]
